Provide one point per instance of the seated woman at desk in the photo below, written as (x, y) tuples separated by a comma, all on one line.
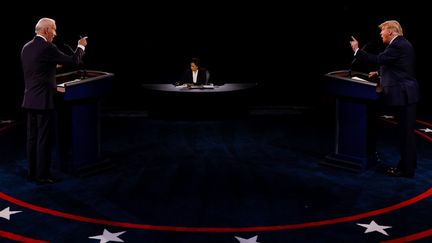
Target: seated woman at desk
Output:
[(195, 75)]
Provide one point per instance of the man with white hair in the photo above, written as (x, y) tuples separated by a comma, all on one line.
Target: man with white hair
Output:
[(39, 58)]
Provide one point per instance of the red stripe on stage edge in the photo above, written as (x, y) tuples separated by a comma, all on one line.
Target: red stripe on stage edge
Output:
[(424, 123), (393, 122), (19, 238), (423, 135), (389, 121), (2, 129), (416, 131), (217, 229), (413, 237)]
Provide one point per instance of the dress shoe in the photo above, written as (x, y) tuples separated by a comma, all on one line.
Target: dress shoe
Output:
[(378, 157), (395, 172)]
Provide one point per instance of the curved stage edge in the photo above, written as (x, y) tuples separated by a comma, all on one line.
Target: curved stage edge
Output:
[(205, 101)]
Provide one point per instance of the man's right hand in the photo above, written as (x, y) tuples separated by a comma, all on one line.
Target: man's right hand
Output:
[(83, 41), (373, 74)]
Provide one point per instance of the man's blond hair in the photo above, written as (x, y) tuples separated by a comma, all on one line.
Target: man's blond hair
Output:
[(393, 25)]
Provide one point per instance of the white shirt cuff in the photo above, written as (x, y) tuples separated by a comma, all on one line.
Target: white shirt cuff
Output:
[(355, 52)]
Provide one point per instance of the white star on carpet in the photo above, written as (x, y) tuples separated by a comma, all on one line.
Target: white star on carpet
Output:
[(6, 213), (387, 117), (250, 240), (372, 226), (426, 130), (6, 121), (108, 236)]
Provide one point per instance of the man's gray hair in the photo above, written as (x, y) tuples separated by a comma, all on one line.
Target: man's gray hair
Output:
[(44, 23)]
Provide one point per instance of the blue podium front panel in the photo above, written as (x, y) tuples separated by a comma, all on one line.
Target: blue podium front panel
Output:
[(354, 96), (83, 95)]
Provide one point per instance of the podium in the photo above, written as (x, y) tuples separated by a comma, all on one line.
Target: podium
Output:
[(78, 143), (354, 95)]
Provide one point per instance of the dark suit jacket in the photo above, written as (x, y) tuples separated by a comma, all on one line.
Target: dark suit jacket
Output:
[(201, 79), (397, 72), (39, 59)]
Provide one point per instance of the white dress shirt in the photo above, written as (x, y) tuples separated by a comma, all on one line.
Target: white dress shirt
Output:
[(194, 76)]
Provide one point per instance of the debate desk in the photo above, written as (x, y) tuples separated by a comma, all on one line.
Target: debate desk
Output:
[(193, 101), (78, 118), (355, 95), (209, 88)]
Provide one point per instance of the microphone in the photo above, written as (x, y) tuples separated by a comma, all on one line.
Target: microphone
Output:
[(83, 72), (355, 57), (83, 69), (69, 47)]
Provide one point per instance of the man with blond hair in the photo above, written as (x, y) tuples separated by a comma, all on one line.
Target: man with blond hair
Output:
[(400, 91)]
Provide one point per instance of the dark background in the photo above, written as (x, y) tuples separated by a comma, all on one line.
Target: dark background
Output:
[(285, 49)]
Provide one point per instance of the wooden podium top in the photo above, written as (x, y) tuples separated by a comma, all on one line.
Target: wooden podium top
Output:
[(352, 76), (79, 77)]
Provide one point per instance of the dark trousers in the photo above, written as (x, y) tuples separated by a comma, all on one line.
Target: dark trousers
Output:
[(406, 117), (39, 142)]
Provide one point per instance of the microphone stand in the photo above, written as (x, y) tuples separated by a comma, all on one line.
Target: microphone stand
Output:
[(350, 68), (355, 58), (82, 71)]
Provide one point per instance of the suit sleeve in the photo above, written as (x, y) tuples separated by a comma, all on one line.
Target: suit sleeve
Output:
[(59, 57), (186, 78), (389, 56)]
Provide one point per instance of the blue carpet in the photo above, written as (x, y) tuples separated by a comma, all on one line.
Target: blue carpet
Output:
[(254, 178)]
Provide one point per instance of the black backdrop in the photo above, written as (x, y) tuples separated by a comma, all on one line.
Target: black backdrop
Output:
[(286, 49)]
